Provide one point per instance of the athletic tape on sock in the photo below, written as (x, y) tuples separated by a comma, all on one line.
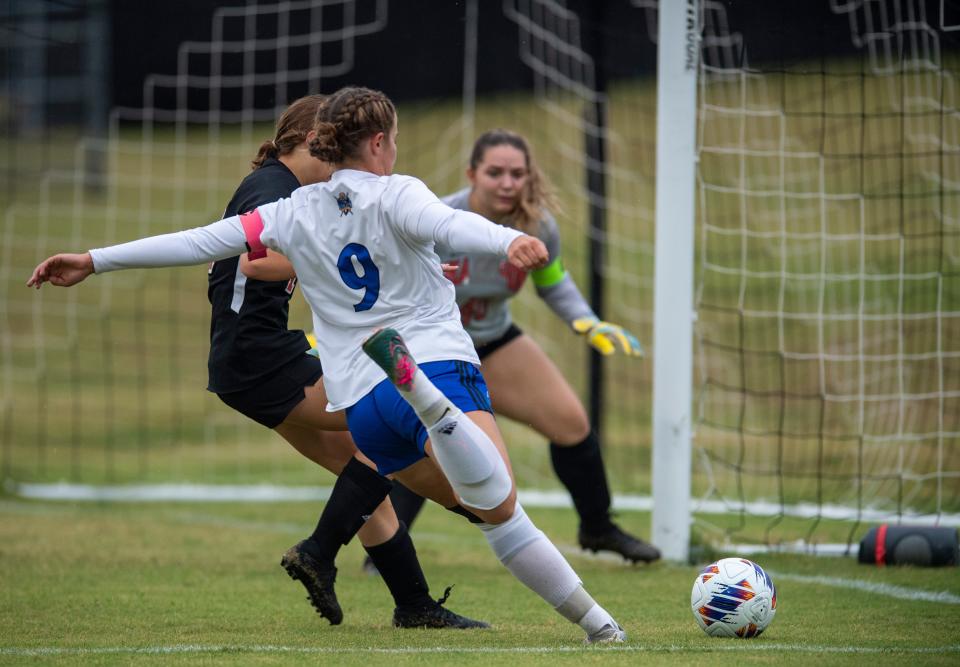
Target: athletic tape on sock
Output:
[(426, 400), (576, 606)]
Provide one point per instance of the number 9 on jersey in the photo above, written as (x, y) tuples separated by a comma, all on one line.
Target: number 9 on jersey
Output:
[(369, 281)]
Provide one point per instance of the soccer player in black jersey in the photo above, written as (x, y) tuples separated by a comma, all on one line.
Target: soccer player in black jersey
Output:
[(261, 368)]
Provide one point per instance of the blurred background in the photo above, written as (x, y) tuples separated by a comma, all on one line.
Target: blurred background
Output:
[(827, 361)]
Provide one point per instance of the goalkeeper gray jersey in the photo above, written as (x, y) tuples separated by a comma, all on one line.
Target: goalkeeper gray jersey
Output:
[(486, 283)]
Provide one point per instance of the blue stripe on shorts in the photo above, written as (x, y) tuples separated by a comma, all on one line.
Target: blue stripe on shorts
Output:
[(386, 428)]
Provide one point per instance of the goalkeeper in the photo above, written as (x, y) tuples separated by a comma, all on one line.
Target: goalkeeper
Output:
[(506, 186)]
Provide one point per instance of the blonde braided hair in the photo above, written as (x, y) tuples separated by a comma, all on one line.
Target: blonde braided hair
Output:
[(346, 118)]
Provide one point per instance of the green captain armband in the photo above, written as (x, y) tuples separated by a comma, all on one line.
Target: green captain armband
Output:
[(549, 275)]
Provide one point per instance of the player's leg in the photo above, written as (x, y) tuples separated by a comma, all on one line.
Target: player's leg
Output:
[(394, 451), (407, 506), (358, 502), (527, 387), (336, 452), (472, 455), (349, 508), (357, 488), (293, 402)]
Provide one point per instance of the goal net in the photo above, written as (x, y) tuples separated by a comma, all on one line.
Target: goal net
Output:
[(103, 383), (826, 379), (828, 292)]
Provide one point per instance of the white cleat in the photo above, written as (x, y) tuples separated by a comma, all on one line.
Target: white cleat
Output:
[(608, 634)]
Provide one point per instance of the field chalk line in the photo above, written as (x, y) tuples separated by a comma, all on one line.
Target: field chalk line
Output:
[(265, 493), (888, 590), (751, 646)]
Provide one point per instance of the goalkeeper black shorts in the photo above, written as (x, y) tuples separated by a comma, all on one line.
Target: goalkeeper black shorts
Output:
[(486, 349)]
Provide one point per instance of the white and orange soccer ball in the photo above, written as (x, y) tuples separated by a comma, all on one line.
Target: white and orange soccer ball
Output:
[(733, 597)]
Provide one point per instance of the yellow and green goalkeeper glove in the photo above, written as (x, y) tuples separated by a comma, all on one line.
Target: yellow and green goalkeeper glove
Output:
[(606, 337), (313, 351)]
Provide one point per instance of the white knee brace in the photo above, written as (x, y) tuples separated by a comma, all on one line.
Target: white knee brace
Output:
[(470, 461)]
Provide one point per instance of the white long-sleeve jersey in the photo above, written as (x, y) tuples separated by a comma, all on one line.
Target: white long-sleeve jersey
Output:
[(363, 249)]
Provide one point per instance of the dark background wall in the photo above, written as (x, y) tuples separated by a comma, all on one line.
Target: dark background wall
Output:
[(69, 61), (420, 54)]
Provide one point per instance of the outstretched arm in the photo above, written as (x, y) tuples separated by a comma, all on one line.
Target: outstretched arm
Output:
[(62, 270), (222, 239), (527, 253), (423, 216), (557, 288)]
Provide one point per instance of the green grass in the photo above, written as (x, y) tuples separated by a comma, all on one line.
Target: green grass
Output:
[(111, 584)]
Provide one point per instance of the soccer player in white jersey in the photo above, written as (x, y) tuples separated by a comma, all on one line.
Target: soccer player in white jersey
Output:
[(362, 245), (507, 186), (258, 367)]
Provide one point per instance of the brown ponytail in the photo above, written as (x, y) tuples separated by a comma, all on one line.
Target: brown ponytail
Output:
[(537, 198), (292, 128)]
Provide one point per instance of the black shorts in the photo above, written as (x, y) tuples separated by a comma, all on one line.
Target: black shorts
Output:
[(489, 348), (273, 398)]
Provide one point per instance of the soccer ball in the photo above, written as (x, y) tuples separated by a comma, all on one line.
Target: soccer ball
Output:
[(733, 597)]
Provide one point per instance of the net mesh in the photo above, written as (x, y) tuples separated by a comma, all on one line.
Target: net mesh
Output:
[(828, 293)]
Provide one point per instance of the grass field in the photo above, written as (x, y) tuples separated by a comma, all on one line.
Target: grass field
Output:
[(117, 584)]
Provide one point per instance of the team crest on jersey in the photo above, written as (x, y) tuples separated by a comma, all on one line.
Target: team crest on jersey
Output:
[(344, 204)]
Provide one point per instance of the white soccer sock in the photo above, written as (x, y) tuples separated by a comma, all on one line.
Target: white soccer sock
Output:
[(537, 564), (427, 401)]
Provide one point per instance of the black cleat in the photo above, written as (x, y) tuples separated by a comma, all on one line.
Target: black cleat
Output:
[(434, 615), (317, 577), (631, 548)]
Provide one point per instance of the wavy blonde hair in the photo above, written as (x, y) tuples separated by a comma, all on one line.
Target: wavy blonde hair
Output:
[(537, 198)]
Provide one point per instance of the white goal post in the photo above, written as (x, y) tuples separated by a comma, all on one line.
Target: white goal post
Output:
[(677, 61)]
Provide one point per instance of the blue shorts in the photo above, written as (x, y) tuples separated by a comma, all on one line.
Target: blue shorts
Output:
[(386, 428)]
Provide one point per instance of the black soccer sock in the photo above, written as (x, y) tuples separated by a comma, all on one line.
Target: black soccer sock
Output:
[(396, 559), (357, 493), (406, 503), (580, 468)]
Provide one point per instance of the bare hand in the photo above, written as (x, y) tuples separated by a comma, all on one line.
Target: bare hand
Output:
[(450, 270), (62, 270), (527, 253)]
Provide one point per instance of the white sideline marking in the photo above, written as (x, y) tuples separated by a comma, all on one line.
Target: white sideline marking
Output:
[(264, 493), (798, 547), (889, 590), (720, 646), (258, 493)]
